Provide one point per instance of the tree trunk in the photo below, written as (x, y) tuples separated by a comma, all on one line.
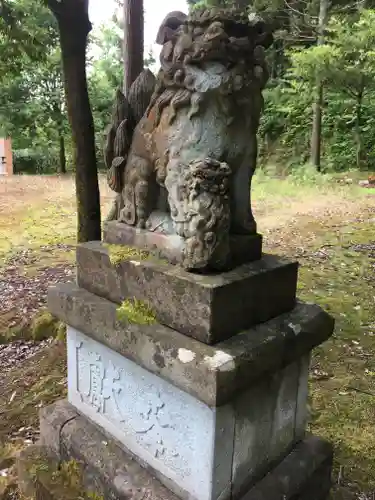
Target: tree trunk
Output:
[(358, 136), (74, 27), (133, 41), (316, 133), (62, 155)]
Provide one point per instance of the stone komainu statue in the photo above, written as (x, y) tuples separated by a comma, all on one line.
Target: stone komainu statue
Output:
[(182, 148)]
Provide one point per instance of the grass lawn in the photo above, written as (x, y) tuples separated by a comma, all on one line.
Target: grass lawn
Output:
[(329, 227)]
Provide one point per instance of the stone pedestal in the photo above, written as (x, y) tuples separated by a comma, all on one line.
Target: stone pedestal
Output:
[(207, 399), (209, 308), (242, 248)]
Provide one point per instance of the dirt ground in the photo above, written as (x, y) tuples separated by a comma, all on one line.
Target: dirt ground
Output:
[(328, 227)]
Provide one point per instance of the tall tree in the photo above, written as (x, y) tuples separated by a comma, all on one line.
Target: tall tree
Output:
[(316, 133), (133, 41), (74, 27)]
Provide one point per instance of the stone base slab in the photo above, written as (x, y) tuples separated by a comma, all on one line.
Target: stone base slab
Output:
[(305, 474), (243, 248), (209, 308), (111, 472), (200, 452), (213, 374)]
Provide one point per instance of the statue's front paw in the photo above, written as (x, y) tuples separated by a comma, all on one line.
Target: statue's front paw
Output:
[(195, 257)]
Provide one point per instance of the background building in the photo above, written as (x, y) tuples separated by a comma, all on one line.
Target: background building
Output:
[(6, 157)]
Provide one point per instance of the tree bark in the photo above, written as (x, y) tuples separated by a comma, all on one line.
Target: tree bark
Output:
[(316, 133), (62, 155), (133, 41), (74, 27), (360, 156)]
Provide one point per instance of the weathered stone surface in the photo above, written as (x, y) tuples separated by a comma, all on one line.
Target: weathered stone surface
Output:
[(26, 468), (213, 374), (302, 398), (194, 174), (108, 469), (209, 308), (41, 476), (153, 419), (266, 423), (253, 432), (284, 420), (52, 420), (305, 474), (114, 476), (243, 248), (186, 443)]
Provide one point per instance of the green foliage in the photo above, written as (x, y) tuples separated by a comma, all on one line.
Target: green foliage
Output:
[(197, 4), (105, 75), (346, 66), (21, 37), (347, 60), (32, 100), (34, 161), (32, 105)]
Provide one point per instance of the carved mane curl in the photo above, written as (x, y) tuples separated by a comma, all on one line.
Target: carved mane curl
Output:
[(208, 35)]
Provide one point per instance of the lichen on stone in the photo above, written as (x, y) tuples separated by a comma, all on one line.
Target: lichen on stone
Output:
[(136, 312), (122, 253)]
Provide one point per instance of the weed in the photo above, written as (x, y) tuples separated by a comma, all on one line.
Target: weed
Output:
[(121, 253), (137, 312)]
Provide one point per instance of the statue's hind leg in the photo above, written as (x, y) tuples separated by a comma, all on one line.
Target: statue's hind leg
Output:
[(142, 210), (138, 193), (242, 219)]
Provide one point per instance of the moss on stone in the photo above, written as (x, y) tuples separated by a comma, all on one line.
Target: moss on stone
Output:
[(63, 481), (70, 475), (44, 326), (136, 312), (39, 467), (122, 253), (61, 332)]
